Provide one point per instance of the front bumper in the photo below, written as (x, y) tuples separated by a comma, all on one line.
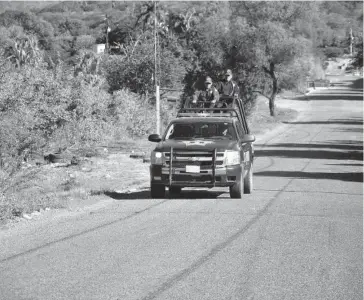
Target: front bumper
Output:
[(223, 176)]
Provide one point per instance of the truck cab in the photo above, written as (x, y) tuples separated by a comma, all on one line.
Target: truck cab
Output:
[(204, 148)]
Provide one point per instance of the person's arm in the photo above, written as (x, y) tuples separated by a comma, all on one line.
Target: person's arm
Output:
[(215, 97), (236, 92), (218, 87), (195, 96)]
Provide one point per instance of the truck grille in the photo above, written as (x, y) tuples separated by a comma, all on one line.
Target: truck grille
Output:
[(183, 158)]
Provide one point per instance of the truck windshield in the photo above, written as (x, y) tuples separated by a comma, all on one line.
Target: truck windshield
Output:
[(200, 130)]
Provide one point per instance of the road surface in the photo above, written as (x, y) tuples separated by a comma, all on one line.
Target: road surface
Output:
[(298, 236)]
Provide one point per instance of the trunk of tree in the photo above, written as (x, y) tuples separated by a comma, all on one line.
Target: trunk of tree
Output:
[(273, 96), (274, 78), (146, 96)]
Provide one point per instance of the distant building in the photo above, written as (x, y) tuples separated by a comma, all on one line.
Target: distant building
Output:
[(99, 48)]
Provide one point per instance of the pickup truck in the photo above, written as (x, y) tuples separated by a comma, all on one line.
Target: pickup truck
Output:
[(208, 147)]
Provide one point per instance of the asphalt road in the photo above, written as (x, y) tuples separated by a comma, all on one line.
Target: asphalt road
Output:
[(298, 236)]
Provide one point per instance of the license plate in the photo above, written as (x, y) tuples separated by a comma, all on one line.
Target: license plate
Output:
[(192, 169)]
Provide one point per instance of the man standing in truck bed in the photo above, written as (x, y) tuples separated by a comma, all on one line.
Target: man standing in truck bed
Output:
[(228, 87), (208, 97)]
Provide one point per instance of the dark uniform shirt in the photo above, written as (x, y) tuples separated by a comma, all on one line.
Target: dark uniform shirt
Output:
[(228, 88), (210, 96)]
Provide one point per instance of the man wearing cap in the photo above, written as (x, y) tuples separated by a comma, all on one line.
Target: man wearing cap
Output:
[(209, 96), (228, 87)]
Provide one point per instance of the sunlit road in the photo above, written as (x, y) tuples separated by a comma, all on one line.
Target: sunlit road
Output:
[(298, 236)]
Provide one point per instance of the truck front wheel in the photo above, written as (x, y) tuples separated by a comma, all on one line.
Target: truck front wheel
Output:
[(175, 190), (248, 181), (237, 190), (157, 190)]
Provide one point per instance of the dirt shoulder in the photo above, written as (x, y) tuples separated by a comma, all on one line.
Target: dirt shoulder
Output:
[(64, 189)]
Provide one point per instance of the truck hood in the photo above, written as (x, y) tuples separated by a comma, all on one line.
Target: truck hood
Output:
[(197, 144)]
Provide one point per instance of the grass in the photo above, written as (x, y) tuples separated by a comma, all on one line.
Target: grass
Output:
[(260, 120), (32, 189)]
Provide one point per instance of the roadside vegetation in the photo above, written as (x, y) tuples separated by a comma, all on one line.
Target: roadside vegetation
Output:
[(57, 96)]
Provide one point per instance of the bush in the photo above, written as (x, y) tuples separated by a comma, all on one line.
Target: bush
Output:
[(332, 52), (33, 106), (43, 109), (134, 69), (132, 113), (84, 42), (133, 73), (88, 120)]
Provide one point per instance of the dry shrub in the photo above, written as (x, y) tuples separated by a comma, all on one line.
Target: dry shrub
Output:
[(133, 115), (7, 207), (31, 189), (46, 110), (89, 123)]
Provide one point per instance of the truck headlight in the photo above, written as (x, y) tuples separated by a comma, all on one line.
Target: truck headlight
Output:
[(232, 157), (156, 158)]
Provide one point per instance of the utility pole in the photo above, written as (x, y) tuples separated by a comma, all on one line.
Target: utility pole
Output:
[(157, 104), (107, 34), (351, 41)]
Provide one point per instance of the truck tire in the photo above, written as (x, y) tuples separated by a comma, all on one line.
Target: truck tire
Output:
[(248, 181), (157, 190), (237, 190), (175, 190)]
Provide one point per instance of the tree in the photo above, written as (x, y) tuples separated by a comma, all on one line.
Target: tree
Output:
[(72, 27), (84, 42), (358, 59), (270, 46), (276, 50), (203, 42), (31, 24), (150, 11), (183, 24), (133, 69), (24, 51), (87, 63)]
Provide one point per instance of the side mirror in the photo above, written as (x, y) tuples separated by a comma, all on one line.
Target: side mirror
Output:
[(154, 138), (248, 138)]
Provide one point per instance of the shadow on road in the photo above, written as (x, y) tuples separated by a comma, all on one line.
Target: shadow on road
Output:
[(197, 194), (345, 96), (352, 121), (145, 194), (129, 196), (316, 154), (345, 83), (353, 177), (347, 89), (336, 149), (349, 129), (349, 165), (343, 91), (311, 154), (357, 84), (340, 145)]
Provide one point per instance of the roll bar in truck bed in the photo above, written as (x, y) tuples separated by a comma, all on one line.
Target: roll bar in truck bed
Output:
[(231, 108)]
